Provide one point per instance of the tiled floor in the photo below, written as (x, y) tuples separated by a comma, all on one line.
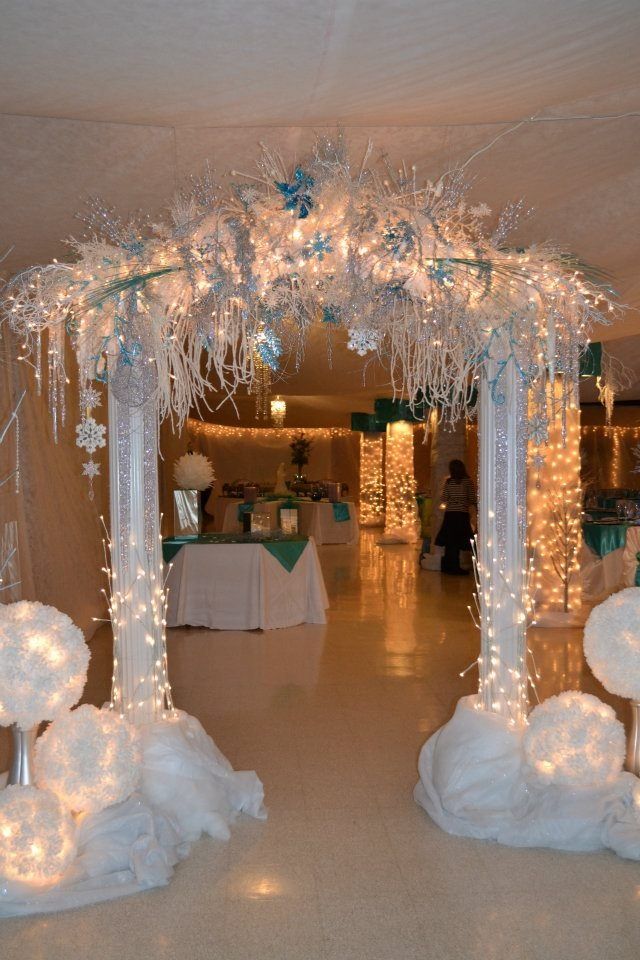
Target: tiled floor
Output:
[(347, 867)]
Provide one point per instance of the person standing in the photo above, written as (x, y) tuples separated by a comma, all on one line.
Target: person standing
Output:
[(456, 533)]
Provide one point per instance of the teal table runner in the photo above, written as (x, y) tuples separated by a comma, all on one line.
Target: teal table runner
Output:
[(340, 512), (604, 538), (287, 550)]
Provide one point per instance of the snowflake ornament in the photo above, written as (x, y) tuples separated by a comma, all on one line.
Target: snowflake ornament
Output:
[(90, 398), (90, 435), (363, 340), (538, 430)]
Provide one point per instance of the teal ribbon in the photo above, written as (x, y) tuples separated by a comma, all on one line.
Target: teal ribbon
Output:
[(244, 508), (604, 538), (636, 582), (340, 512)]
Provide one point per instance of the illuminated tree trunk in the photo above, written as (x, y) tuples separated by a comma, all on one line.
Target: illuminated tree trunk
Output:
[(502, 577)]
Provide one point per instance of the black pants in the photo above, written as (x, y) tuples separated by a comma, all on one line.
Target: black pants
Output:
[(450, 562)]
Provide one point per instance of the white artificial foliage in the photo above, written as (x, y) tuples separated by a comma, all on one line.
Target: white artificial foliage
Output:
[(230, 285), (89, 758), (575, 740), (612, 643), (43, 663), (193, 471), (37, 837)]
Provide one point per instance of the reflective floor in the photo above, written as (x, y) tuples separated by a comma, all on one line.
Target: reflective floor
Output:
[(347, 867)]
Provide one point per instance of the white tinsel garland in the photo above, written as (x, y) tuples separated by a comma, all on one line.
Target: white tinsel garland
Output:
[(612, 643), (43, 663), (193, 471), (574, 739), (37, 836), (89, 759)]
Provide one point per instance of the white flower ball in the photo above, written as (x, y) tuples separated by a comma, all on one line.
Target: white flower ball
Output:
[(612, 643), (37, 836), (89, 758), (43, 663), (193, 471), (574, 739)]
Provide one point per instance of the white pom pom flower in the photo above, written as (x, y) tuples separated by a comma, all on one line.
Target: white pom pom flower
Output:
[(43, 663), (574, 739), (37, 836), (193, 471), (612, 643), (89, 758)]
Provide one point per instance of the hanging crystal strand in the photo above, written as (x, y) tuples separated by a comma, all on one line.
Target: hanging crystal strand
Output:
[(38, 361), (17, 473)]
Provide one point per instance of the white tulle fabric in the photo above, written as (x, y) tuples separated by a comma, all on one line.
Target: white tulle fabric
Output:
[(474, 782), (188, 788)]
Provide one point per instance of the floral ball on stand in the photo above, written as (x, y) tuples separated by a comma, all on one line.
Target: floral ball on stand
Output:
[(193, 471), (37, 837), (612, 643), (574, 740), (89, 759), (43, 663)]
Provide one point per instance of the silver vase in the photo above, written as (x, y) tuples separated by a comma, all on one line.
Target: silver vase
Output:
[(21, 771), (633, 744)]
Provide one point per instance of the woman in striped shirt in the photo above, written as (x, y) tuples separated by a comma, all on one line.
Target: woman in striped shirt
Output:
[(458, 496)]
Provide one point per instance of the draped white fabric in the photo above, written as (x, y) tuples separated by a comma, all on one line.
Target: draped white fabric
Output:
[(241, 586)]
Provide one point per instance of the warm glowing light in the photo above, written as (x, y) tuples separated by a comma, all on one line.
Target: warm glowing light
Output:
[(554, 506), (278, 411), (371, 480), (38, 836), (401, 517)]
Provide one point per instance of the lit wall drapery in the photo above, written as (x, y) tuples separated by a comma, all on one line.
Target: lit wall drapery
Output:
[(607, 457), (252, 453), (372, 500)]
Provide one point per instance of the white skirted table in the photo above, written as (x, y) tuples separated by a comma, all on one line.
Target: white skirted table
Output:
[(245, 586), (608, 560), (328, 522), (325, 522), (232, 518)]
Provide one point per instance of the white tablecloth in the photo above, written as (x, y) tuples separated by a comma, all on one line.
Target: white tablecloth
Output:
[(317, 520), (602, 576), (231, 524), (241, 586)]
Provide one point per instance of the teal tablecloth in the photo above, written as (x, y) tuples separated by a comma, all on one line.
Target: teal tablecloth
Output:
[(287, 550), (604, 538)]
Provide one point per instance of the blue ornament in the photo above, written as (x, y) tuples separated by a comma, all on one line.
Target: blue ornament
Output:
[(296, 195), (442, 273), (398, 238), (317, 246), (331, 315)]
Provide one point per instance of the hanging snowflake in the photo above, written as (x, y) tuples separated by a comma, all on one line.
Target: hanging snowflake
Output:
[(91, 469), (538, 429), (90, 435), (90, 398), (398, 238), (363, 340)]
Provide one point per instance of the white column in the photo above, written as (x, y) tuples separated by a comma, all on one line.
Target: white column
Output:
[(502, 541), (140, 685)]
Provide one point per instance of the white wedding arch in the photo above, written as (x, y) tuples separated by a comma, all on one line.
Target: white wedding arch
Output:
[(414, 272)]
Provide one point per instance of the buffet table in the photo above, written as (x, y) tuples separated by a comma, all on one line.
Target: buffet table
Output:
[(243, 584), (325, 522), (608, 561)]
